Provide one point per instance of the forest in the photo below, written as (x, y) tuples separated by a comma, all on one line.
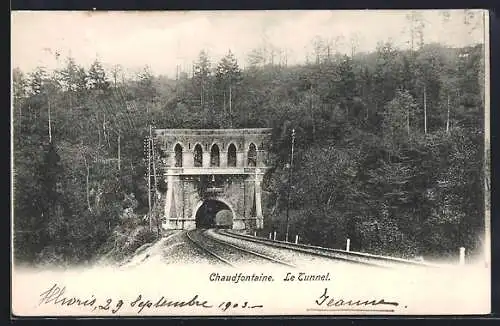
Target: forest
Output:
[(389, 148)]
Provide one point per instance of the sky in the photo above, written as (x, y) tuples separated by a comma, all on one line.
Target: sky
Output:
[(163, 40)]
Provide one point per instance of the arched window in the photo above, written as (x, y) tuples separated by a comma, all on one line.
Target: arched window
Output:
[(214, 156), (178, 155), (231, 155), (252, 155), (198, 156)]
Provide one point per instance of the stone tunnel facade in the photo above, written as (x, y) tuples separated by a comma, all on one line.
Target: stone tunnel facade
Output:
[(223, 165)]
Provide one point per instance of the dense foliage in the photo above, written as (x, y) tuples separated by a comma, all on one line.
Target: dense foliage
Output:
[(389, 147)]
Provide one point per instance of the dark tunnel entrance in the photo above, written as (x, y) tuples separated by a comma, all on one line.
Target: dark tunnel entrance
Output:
[(214, 214)]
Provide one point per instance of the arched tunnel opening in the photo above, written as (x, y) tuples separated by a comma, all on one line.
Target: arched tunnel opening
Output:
[(214, 214)]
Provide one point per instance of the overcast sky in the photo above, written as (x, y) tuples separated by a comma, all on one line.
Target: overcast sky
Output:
[(163, 40)]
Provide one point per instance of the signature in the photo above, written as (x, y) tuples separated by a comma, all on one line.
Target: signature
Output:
[(56, 295), (326, 300)]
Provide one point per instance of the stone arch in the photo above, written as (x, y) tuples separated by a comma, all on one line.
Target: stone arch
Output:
[(197, 155), (231, 155), (215, 155), (178, 149), (254, 143), (178, 142), (200, 203), (252, 155)]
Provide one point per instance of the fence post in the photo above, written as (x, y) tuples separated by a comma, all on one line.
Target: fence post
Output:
[(462, 256), (270, 236), (274, 238), (296, 239), (348, 244), (254, 233)]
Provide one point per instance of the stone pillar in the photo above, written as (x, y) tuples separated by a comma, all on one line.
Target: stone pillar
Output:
[(168, 202), (223, 159), (171, 158), (260, 158), (206, 159), (241, 159), (258, 200), (187, 159), (238, 220), (249, 197), (191, 198)]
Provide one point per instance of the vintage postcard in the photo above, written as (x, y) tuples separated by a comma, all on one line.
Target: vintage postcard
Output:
[(250, 163)]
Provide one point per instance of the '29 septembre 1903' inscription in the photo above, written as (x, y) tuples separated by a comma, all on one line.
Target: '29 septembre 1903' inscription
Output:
[(56, 295)]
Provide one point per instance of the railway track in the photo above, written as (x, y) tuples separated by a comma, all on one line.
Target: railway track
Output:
[(227, 253), (198, 244), (334, 254)]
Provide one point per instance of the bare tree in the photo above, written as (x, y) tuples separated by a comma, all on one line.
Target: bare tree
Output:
[(416, 28), (354, 40), (318, 44)]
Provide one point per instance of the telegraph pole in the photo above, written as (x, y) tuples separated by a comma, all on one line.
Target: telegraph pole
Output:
[(289, 187), (154, 178), (149, 181)]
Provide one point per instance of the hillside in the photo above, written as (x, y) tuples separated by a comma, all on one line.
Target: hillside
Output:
[(388, 146)]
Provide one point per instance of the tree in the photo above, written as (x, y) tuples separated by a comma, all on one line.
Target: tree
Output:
[(416, 29), (385, 81), (145, 85), (228, 75), (398, 114), (256, 58), (363, 167), (20, 92), (347, 84), (201, 76), (51, 198), (97, 77)]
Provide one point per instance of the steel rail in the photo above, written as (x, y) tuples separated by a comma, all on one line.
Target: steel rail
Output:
[(205, 249), (269, 258), (315, 251)]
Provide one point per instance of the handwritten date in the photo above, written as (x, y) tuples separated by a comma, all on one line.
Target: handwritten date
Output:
[(225, 305), (56, 296)]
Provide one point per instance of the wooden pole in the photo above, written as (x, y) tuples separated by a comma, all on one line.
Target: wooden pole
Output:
[(87, 187), (119, 166), (425, 112), (50, 125), (289, 187), (154, 175), (153, 159), (407, 121), (448, 115), (149, 181), (224, 102), (98, 132)]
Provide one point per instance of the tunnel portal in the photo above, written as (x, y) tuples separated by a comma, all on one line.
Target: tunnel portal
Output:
[(214, 214)]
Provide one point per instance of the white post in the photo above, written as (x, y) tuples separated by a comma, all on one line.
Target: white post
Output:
[(270, 237), (274, 237), (254, 233), (296, 239), (462, 256), (348, 244)]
